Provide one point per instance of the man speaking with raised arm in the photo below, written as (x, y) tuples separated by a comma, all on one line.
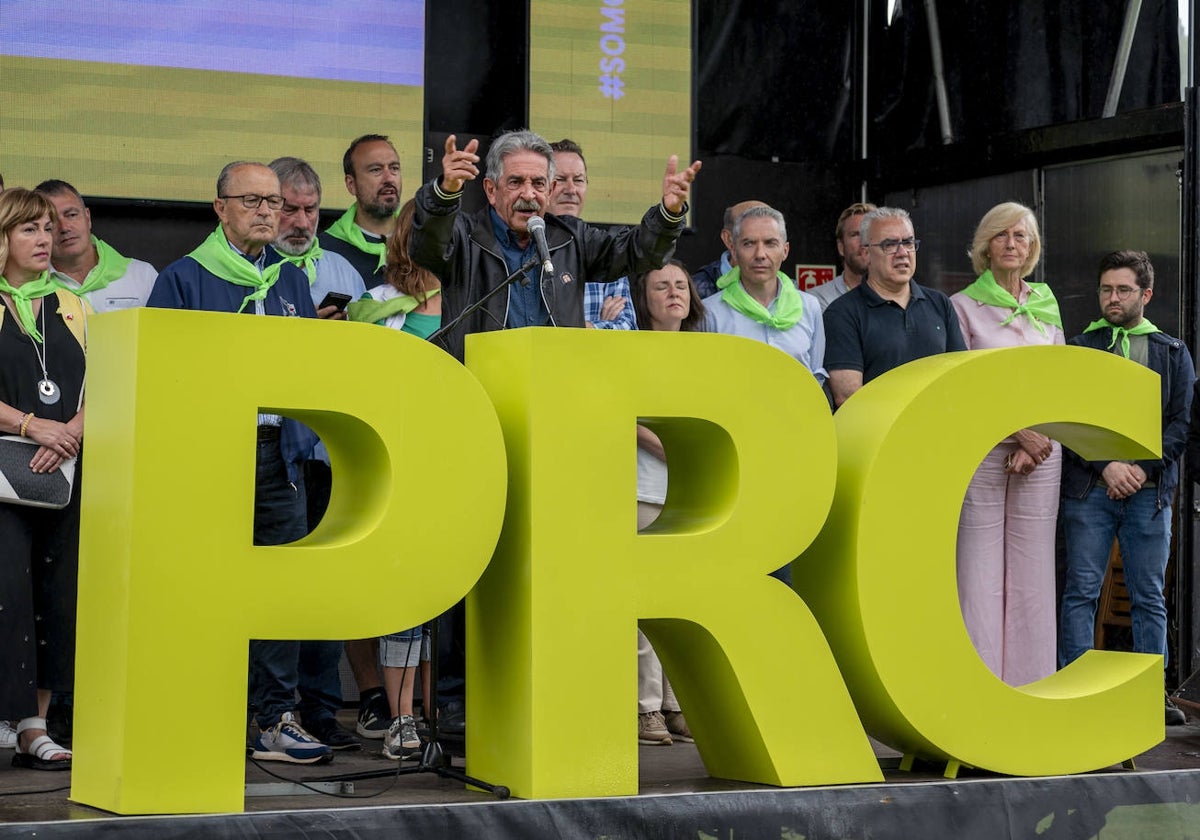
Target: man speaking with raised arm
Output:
[(474, 254)]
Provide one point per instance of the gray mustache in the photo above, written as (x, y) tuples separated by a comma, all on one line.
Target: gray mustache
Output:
[(525, 204)]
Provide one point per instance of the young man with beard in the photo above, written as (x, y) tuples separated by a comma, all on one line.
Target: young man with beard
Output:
[(1130, 500), (372, 169)]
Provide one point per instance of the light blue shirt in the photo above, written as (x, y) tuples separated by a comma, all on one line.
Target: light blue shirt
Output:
[(335, 274), (804, 341)]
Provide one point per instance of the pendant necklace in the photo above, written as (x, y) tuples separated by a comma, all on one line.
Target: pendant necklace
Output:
[(48, 391)]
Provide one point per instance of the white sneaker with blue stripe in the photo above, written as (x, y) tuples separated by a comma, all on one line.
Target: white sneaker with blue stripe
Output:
[(287, 741)]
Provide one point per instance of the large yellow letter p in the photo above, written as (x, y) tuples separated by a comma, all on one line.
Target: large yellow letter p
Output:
[(171, 586)]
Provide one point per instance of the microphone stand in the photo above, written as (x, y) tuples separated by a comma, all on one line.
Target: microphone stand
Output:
[(434, 758), (519, 274)]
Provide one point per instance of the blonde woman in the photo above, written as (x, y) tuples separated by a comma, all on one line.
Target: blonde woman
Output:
[(1006, 531)]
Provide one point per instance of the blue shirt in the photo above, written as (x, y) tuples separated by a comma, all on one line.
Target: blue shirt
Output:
[(525, 305), (335, 274), (593, 299), (804, 341)]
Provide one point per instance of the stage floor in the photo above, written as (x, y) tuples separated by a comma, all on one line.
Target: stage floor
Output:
[(35, 803)]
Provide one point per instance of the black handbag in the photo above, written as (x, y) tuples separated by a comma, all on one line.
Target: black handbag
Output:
[(20, 485)]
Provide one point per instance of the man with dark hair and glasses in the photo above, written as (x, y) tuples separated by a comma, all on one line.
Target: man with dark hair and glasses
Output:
[(236, 270), (888, 319), (1130, 500)]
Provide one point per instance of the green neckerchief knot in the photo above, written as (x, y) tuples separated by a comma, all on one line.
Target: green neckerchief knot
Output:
[(789, 306), (371, 311), (1122, 333), (1040, 308), (24, 296), (110, 266), (217, 257), (306, 261), (346, 230)]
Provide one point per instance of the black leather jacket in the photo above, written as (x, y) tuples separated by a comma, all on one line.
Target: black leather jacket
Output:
[(463, 252)]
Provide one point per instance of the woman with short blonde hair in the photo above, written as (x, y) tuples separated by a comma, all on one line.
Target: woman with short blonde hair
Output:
[(1006, 531)]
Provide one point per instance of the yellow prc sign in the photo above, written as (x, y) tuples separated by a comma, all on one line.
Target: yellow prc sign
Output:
[(775, 685)]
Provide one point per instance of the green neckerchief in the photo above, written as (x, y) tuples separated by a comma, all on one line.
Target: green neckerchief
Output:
[(1040, 308), (1144, 328), (307, 260), (24, 296), (110, 266), (347, 230), (371, 311), (218, 257), (788, 309)]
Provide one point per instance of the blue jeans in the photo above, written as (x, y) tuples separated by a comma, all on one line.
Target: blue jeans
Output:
[(1144, 534), (277, 667)]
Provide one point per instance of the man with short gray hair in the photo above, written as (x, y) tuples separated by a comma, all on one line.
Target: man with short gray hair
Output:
[(297, 242), (473, 255), (756, 300), (235, 270), (707, 276), (888, 319)]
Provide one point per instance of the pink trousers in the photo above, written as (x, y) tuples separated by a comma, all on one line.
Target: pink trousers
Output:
[(1006, 566)]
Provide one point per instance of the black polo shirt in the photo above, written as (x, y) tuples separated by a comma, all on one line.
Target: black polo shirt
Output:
[(868, 333)]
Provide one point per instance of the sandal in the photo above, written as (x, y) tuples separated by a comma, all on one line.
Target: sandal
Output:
[(40, 750)]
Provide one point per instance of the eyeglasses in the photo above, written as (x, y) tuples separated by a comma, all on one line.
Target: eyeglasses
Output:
[(1122, 292), (251, 201), (891, 246)]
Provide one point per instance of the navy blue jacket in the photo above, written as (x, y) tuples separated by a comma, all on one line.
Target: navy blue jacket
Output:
[(1170, 359), (185, 284)]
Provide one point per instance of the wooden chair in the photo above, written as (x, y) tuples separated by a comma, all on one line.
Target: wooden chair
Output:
[(1113, 609)]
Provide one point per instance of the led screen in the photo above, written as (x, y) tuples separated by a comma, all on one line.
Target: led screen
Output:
[(615, 76), (150, 98)]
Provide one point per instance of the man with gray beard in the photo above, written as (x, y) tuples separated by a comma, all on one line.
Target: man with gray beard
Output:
[(327, 271), (297, 241)]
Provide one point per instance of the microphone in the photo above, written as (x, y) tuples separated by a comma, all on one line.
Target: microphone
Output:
[(537, 229)]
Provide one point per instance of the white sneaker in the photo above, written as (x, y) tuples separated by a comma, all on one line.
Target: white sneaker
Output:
[(401, 741), (287, 741), (8, 736)]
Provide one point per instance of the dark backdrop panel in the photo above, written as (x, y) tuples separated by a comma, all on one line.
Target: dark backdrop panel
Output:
[(773, 79), (1016, 65), (476, 60), (156, 232), (1107, 205)]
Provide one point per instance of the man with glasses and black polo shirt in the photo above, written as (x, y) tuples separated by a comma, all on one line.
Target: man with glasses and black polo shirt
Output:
[(888, 319), (236, 270)]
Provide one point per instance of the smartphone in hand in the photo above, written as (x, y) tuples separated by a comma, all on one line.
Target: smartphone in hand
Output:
[(337, 299)]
